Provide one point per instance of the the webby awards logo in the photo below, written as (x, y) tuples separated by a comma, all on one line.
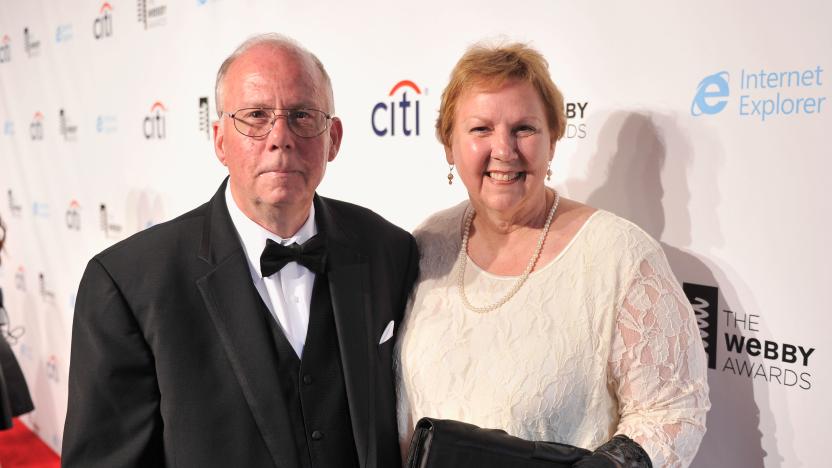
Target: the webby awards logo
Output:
[(762, 94), (739, 350)]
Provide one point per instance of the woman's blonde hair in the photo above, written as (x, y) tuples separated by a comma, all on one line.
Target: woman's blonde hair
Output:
[(491, 66)]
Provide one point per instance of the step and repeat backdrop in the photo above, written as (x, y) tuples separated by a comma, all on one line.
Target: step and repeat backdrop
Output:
[(707, 123)]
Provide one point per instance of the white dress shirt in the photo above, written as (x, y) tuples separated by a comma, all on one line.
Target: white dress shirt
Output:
[(287, 293)]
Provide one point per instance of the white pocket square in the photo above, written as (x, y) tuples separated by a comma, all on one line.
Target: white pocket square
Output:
[(387, 333)]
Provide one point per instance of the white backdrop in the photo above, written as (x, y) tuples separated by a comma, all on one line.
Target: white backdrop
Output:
[(704, 122)]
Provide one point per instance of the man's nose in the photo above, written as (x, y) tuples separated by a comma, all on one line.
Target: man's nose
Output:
[(281, 135)]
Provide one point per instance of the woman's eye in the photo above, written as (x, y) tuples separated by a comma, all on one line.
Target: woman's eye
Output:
[(479, 129), (524, 130)]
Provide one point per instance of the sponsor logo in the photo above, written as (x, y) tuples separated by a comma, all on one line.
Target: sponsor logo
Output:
[(204, 117), (109, 228), (8, 128), (63, 33), (45, 293), (145, 208), (52, 368), (5, 49), (26, 351), (711, 95), (745, 353), (30, 44), (154, 123), (106, 123), (69, 132), (762, 94), (152, 13), (36, 127), (40, 210), (20, 279), (575, 114), (383, 118), (102, 25), (14, 207), (705, 303), (73, 216)]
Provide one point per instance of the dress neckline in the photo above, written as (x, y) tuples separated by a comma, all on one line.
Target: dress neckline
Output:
[(545, 267)]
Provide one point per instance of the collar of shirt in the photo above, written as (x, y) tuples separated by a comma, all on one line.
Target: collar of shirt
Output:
[(253, 236)]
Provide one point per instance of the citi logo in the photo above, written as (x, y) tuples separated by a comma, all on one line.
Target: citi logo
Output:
[(20, 279), (710, 95), (30, 44), (204, 117), (5, 49), (154, 124), (52, 368), (109, 228), (63, 33), (73, 216), (8, 128), (45, 293), (14, 207), (36, 127), (705, 303), (102, 26), (151, 13), (383, 118), (68, 131)]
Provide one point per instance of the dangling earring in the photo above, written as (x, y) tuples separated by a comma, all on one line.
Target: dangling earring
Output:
[(450, 174), (549, 172)]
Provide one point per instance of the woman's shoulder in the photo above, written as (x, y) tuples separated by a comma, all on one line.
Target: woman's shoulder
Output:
[(618, 235)]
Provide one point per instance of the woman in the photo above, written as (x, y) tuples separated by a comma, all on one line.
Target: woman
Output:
[(14, 394), (536, 314)]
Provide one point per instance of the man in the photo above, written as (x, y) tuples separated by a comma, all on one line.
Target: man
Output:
[(207, 342)]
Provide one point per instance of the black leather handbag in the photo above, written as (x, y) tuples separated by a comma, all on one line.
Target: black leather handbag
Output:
[(439, 443)]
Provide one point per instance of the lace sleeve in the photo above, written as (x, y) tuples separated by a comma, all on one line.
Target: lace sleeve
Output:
[(657, 366)]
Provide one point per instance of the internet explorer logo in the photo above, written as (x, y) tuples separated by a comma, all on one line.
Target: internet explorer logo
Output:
[(710, 88)]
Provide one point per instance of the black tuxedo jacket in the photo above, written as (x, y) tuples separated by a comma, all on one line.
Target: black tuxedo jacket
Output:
[(172, 365)]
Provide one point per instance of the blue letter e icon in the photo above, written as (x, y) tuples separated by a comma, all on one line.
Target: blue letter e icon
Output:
[(714, 86)]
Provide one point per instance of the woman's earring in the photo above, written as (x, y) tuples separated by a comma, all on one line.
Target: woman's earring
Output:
[(549, 171), (450, 174)]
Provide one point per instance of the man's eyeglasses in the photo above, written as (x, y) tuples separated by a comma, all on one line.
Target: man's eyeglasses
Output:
[(258, 122)]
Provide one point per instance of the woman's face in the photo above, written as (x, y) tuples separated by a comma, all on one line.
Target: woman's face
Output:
[(501, 146)]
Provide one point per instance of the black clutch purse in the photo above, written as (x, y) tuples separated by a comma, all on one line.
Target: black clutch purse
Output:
[(439, 443)]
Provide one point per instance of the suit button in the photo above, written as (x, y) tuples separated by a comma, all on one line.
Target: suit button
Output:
[(307, 379), (317, 435)]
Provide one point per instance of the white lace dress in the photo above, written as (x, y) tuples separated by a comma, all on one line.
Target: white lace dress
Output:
[(600, 341)]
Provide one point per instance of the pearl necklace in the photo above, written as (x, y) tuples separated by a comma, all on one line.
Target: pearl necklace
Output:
[(463, 257)]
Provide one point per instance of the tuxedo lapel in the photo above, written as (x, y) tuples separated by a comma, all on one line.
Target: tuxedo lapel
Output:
[(236, 310), (349, 278)]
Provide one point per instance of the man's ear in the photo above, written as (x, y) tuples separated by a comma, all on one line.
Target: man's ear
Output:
[(219, 140), (336, 133)]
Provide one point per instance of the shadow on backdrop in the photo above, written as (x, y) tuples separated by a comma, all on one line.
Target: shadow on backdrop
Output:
[(639, 170)]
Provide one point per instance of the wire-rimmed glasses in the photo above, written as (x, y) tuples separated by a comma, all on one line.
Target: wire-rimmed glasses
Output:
[(257, 122)]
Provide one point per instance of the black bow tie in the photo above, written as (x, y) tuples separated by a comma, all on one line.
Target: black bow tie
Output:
[(312, 255)]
